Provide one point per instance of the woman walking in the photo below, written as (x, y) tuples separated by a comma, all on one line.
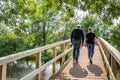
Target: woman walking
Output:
[(90, 43)]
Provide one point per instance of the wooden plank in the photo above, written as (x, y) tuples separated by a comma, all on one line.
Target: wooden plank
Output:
[(113, 66), (63, 49), (118, 74), (3, 72), (54, 63), (38, 64), (0, 72), (83, 70)]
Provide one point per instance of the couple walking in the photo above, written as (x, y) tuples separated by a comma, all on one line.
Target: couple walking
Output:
[(77, 39)]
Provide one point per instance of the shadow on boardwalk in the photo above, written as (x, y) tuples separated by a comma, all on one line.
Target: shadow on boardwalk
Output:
[(60, 74), (83, 70), (78, 72), (95, 69)]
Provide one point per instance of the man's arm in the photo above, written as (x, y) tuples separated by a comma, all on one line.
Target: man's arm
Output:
[(85, 41), (71, 39), (95, 40)]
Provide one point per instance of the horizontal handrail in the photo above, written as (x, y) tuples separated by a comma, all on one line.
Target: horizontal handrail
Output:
[(111, 57), (106, 62), (114, 52), (19, 55), (37, 51), (33, 73)]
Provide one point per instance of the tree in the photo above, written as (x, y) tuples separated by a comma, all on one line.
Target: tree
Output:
[(35, 22), (106, 9), (99, 27), (88, 21), (115, 36)]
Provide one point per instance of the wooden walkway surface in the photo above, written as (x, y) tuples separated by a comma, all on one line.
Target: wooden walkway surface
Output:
[(83, 70)]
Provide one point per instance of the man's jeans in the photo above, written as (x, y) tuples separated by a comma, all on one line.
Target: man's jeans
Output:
[(76, 49), (90, 50)]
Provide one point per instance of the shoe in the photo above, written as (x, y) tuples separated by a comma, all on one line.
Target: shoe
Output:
[(73, 61), (76, 61), (91, 61)]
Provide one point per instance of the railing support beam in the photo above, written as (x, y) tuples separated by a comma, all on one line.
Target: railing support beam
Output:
[(37, 51), (113, 65), (54, 63), (117, 72), (63, 49), (38, 64), (3, 72), (112, 61), (0, 72)]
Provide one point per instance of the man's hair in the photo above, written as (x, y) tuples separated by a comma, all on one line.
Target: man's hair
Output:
[(78, 26)]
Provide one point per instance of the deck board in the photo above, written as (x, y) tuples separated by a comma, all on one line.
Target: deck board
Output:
[(83, 70)]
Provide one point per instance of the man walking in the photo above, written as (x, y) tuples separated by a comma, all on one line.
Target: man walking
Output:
[(77, 37)]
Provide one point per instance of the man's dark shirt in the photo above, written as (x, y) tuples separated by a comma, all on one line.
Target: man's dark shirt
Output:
[(77, 34), (90, 38)]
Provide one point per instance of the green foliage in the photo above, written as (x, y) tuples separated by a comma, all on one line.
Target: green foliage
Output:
[(8, 43), (65, 18), (88, 21), (26, 24), (109, 33), (99, 27), (106, 9), (116, 36), (114, 8), (30, 40)]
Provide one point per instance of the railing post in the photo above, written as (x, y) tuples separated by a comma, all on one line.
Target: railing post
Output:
[(68, 45), (3, 72), (117, 72), (38, 64), (105, 59), (54, 63), (108, 55), (113, 65), (0, 72), (63, 58), (113, 70)]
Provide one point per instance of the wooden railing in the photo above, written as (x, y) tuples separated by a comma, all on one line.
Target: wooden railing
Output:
[(37, 51), (111, 58)]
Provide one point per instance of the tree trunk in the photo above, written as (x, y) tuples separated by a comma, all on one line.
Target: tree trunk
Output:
[(44, 32)]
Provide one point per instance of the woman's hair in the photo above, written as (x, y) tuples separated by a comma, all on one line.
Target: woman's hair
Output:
[(90, 28)]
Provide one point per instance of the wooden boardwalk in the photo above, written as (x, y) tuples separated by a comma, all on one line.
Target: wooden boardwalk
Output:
[(83, 70)]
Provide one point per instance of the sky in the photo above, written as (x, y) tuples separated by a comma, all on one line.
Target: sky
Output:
[(80, 14), (116, 21)]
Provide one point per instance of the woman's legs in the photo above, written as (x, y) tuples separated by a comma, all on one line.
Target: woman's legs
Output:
[(90, 51)]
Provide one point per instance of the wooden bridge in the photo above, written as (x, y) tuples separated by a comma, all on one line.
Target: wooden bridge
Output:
[(106, 63)]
